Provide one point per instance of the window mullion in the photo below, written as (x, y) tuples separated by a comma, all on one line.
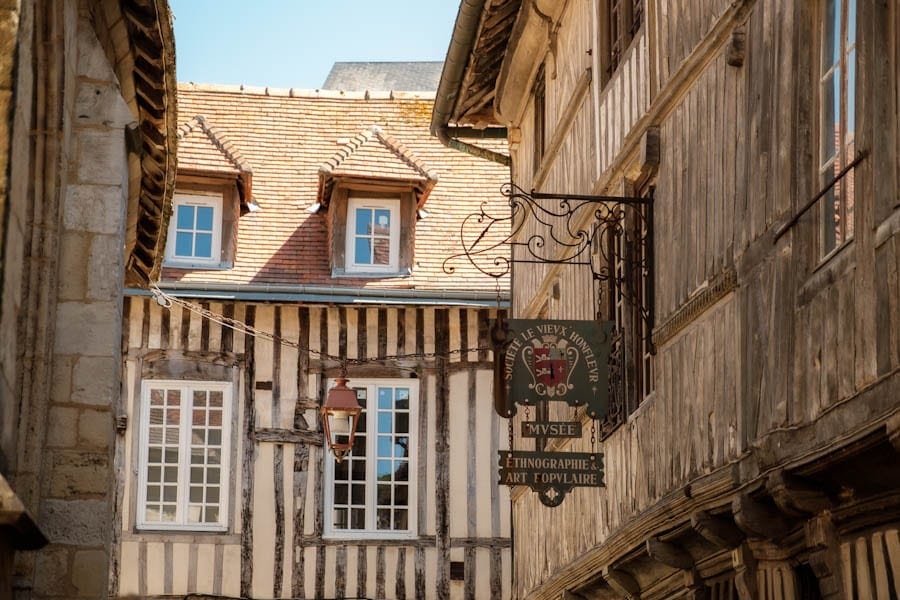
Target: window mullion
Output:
[(184, 455), (371, 449)]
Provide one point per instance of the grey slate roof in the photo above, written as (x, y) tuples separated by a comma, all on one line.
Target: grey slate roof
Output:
[(384, 76)]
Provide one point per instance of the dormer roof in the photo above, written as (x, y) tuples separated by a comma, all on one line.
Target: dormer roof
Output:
[(372, 154), (204, 149)]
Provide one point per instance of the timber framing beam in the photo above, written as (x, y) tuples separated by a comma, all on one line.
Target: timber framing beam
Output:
[(719, 531), (623, 583), (760, 520)]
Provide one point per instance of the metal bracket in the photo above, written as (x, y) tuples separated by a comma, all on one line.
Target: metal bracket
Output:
[(598, 232)]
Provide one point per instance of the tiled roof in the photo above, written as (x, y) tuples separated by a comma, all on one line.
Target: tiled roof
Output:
[(289, 135), (419, 76), (372, 154)]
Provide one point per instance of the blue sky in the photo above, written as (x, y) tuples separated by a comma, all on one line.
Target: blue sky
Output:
[(293, 43)]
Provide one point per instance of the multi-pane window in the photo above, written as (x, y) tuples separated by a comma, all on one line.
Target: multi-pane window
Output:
[(837, 90), (540, 118), (372, 491), (630, 296), (184, 455), (195, 230), (621, 20), (373, 235)]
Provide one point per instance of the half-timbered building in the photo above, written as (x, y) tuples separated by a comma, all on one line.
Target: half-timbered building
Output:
[(751, 449), (307, 241)]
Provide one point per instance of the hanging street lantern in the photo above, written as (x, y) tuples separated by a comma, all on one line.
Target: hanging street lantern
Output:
[(340, 416)]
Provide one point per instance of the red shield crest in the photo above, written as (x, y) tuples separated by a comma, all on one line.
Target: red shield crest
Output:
[(550, 366)]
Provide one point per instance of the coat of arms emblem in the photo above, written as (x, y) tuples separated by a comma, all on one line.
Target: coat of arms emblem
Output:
[(550, 361)]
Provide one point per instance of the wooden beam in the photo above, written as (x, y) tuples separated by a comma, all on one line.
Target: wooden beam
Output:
[(288, 436), (797, 496), (720, 531), (669, 554), (759, 520), (744, 564), (825, 556), (623, 583)]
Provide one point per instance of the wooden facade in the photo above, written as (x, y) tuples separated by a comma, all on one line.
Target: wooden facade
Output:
[(761, 462), (274, 547)]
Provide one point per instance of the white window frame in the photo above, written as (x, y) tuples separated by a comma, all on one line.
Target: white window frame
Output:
[(181, 522), (182, 199), (390, 204), (371, 531)]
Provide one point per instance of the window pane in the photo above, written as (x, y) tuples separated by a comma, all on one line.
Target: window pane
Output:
[(830, 119), (400, 519), (340, 518), (384, 422), (402, 423), (384, 518), (215, 399), (212, 514), (851, 22), (359, 470), (382, 222), (203, 247), (830, 225), (362, 254), (156, 397), (384, 470), (185, 217), (363, 221), (385, 398), (340, 494), (153, 493), (358, 518), (402, 398), (173, 398), (401, 447), (358, 494), (401, 495), (384, 495), (831, 34), (384, 446), (382, 251), (205, 218), (184, 244), (196, 493), (212, 494), (851, 99)]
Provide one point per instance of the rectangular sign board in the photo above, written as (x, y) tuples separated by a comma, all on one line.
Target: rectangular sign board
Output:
[(555, 360), (551, 474), (551, 429)]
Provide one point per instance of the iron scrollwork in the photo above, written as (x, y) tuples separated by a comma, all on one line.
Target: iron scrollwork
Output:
[(599, 232)]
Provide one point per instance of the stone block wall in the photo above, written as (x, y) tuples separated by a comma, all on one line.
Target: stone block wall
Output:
[(76, 475)]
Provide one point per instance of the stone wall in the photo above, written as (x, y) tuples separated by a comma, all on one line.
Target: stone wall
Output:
[(64, 198)]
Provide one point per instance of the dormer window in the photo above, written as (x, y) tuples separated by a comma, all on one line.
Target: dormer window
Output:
[(195, 231), (372, 188), (373, 235), (212, 191)]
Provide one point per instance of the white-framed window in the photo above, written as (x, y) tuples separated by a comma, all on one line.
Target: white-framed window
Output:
[(185, 438), (195, 231), (372, 492), (373, 235), (837, 119)]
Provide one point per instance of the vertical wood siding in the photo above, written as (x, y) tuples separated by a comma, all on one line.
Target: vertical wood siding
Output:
[(274, 547), (798, 336)]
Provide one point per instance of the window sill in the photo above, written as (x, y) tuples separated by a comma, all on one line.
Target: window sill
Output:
[(369, 535), (345, 274), (182, 536), (831, 268), (181, 529), (178, 264)]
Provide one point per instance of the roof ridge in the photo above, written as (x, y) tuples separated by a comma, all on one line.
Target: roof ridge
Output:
[(306, 93)]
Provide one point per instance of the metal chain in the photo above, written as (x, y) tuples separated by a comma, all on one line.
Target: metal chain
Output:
[(167, 301)]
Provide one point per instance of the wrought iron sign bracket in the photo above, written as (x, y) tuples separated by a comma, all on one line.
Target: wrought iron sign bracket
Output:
[(611, 235)]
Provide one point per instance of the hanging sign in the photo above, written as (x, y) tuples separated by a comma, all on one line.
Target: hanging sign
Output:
[(556, 360), (551, 474)]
